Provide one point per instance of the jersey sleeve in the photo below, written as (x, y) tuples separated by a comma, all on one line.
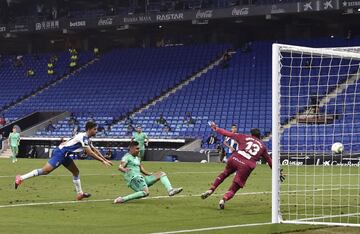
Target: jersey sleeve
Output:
[(226, 133), (91, 144), (267, 157), (125, 159)]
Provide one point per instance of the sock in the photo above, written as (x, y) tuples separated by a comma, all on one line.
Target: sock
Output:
[(133, 196), (36, 172), (232, 190), (165, 181), (77, 184), (220, 179)]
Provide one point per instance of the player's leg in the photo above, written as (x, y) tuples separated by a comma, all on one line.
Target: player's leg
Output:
[(12, 153), (140, 187), (152, 179), (239, 181), (141, 154), (71, 166), (229, 169), (54, 162), (46, 169), (234, 187), (16, 152)]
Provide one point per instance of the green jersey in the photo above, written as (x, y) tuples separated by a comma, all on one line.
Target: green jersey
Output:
[(133, 164), (14, 139), (140, 137)]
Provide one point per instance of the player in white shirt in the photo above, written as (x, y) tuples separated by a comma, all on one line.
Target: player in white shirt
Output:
[(80, 142), (230, 144)]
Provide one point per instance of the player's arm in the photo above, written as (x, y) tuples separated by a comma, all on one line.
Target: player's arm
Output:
[(92, 154), (122, 167), (96, 151), (142, 169), (222, 131), (267, 158)]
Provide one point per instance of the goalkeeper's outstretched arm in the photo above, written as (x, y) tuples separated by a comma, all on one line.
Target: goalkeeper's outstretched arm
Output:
[(221, 131), (267, 157)]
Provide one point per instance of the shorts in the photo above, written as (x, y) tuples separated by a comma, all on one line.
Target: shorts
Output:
[(140, 182), (59, 158), (228, 155), (242, 170)]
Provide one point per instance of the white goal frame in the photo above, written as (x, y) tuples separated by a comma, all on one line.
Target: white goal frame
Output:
[(277, 49)]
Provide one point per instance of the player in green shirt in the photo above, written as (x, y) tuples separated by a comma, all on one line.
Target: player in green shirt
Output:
[(138, 179), (14, 141), (140, 137)]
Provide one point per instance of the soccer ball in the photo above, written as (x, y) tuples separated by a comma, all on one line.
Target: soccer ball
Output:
[(337, 148), (203, 161)]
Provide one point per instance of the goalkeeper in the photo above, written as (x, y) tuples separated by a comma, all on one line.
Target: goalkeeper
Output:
[(138, 179), (242, 161)]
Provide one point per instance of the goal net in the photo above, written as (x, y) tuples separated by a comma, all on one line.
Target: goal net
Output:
[(316, 102)]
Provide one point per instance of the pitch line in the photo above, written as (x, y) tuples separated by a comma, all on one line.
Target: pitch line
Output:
[(146, 198), (213, 228)]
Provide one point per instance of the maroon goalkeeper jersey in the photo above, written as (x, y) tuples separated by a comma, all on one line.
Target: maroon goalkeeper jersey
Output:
[(250, 148)]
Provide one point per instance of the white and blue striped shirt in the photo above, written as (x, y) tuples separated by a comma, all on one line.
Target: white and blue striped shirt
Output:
[(76, 144)]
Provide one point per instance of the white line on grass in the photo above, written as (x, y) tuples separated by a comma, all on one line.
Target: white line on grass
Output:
[(114, 174), (329, 216), (213, 228), (146, 198)]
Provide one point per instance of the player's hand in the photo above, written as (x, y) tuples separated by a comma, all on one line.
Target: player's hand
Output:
[(232, 149), (213, 125), (282, 175), (107, 163)]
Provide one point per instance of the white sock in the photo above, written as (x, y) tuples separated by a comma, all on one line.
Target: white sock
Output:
[(77, 183), (33, 173)]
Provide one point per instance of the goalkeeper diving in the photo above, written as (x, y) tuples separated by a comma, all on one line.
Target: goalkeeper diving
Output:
[(242, 161)]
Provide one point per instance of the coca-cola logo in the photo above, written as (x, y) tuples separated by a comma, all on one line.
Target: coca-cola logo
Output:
[(240, 11), (204, 14), (107, 21), (81, 23)]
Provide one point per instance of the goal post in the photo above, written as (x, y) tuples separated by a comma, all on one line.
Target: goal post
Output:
[(315, 103)]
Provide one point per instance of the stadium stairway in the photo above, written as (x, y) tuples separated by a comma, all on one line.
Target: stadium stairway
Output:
[(352, 79), (51, 84), (182, 84), (6, 153), (177, 87)]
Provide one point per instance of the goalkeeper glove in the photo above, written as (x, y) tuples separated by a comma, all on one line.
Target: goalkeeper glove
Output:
[(282, 176)]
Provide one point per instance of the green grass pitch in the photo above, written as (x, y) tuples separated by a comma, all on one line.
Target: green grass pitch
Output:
[(157, 213)]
